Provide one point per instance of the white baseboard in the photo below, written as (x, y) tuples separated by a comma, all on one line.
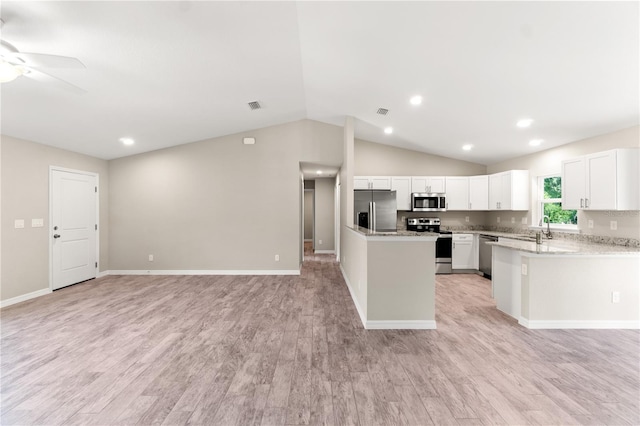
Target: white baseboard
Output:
[(324, 251), (363, 319), (103, 274), (24, 297), (577, 324), (401, 325), (204, 272)]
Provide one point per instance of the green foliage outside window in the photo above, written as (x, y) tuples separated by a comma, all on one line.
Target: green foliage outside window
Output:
[(553, 190)]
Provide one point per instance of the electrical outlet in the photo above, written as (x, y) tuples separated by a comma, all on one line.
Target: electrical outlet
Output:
[(277, 258), (150, 258), (320, 242), (37, 223), (524, 220), (466, 218), (614, 225), (18, 223), (615, 297), (590, 224), (513, 220), (498, 219), (402, 219), (524, 269)]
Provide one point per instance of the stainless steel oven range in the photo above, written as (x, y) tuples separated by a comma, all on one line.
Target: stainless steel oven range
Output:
[(443, 243)]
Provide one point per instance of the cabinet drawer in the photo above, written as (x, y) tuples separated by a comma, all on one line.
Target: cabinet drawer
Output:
[(462, 237)]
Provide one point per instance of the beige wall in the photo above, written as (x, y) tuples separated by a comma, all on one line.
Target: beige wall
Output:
[(374, 159), (25, 195), (217, 204), (324, 214), (549, 162), (308, 214)]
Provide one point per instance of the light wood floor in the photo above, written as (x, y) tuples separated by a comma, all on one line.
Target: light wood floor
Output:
[(291, 350)]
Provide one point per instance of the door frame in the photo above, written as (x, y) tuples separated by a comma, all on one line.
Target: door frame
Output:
[(50, 239)]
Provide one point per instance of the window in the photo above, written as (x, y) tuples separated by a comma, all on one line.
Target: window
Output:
[(550, 204)]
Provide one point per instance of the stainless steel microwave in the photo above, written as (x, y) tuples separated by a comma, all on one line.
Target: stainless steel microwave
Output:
[(421, 202)]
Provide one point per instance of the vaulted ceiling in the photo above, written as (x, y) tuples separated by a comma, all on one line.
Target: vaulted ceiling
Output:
[(168, 73)]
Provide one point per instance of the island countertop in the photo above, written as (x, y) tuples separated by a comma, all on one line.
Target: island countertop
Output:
[(567, 248), (400, 235)]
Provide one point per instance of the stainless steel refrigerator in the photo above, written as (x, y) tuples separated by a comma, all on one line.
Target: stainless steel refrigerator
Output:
[(375, 210)]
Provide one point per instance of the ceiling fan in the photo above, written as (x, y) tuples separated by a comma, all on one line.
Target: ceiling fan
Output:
[(14, 64)]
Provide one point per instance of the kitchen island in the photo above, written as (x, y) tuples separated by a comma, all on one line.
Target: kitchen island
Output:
[(391, 277), (567, 284)]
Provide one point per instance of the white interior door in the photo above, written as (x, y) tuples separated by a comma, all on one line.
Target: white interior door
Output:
[(73, 227)]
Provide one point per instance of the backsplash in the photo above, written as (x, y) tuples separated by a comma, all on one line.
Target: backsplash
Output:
[(456, 221)]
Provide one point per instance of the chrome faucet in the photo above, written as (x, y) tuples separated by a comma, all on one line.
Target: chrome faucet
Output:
[(548, 232)]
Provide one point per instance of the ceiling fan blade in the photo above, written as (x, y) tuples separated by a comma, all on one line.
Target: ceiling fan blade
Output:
[(42, 60), (43, 77)]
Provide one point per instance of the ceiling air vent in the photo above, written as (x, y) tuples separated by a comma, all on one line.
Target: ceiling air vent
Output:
[(383, 111), (254, 105)]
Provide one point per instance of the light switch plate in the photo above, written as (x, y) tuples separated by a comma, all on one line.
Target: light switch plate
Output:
[(524, 269), (513, 220), (614, 225), (37, 223), (18, 223), (320, 242), (466, 218)]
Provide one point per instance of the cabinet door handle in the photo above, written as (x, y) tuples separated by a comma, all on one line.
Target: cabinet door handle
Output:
[(581, 202), (454, 245), (586, 203)]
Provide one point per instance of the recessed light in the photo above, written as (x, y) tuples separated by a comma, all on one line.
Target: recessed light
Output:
[(416, 100), (525, 122), (127, 141), (535, 142), (388, 130), (319, 172), (467, 147)]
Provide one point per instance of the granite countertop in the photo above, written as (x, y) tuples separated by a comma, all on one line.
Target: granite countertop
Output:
[(399, 233), (566, 247)]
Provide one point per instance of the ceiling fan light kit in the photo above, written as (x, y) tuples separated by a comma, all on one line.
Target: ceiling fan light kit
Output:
[(9, 72)]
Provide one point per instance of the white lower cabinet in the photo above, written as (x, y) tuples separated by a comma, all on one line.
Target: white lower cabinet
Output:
[(464, 254)]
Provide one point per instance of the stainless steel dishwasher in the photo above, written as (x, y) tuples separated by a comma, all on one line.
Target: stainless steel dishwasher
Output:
[(485, 254)]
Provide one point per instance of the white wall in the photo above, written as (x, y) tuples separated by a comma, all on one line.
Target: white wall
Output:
[(25, 195), (549, 162)]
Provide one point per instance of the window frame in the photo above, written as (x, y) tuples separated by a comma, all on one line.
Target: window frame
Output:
[(541, 201)]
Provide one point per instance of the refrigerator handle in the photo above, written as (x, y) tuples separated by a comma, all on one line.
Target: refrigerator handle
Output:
[(372, 216)]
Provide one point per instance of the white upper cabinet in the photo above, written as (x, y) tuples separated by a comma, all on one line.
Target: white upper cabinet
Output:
[(372, 182), (574, 183), (428, 184), (402, 186), (606, 180), (479, 192), (457, 197), (509, 190)]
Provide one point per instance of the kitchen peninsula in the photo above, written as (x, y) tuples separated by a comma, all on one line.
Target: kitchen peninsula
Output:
[(567, 284), (391, 277)]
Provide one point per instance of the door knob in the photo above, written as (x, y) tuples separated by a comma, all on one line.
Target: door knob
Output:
[(56, 235)]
